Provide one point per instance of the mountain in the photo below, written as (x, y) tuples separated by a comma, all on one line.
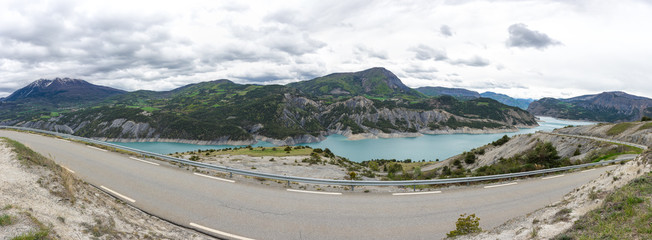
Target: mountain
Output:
[(375, 82), (62, 91), (460, 93), (224, 112), (522, 103), (603, 107)]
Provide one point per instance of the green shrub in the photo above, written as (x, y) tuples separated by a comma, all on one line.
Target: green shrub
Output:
[(469, 158), (466, 225), (5, 220), (501, 141)]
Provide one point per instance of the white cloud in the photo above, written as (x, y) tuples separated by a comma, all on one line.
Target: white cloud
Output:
[(138, 45)]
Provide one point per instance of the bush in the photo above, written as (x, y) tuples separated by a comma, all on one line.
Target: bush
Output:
[(469, 158), (544, 154), (501, 141), (466, 225), (374, 166), (646, 118)]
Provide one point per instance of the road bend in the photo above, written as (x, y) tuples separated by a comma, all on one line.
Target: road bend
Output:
[(235, 210)]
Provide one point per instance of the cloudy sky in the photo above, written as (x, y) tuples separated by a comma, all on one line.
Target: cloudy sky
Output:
[(521, 48)]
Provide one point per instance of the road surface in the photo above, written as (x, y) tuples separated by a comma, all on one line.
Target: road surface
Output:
[(240, 210)]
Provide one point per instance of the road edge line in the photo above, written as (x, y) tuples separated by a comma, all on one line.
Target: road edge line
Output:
[(225, 234), (118, 194), (216, 178), (314, 192), (415, 193)]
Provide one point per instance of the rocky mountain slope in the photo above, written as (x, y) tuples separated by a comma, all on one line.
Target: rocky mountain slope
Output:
[(222, 112), (603, 107)]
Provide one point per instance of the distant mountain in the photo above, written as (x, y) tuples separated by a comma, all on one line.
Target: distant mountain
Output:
[(62, 91), (375, 82), (603, 107), (522, 103), (460, 93)]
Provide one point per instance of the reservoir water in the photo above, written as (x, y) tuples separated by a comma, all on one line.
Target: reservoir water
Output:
[(427, 147)]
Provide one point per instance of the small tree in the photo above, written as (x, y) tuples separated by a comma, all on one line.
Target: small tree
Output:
[(374, 166), (466, 225), (288, 149), (352, 175)]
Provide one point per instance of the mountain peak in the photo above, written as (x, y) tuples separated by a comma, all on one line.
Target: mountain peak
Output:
[(377, 82), (61, 90)]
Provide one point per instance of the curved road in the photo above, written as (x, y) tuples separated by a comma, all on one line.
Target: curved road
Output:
[(239, 211)]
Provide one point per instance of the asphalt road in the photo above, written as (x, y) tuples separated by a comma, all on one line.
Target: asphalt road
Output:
[(241, 210)]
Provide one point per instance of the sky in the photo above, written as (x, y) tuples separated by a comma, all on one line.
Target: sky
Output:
[(526, 49)]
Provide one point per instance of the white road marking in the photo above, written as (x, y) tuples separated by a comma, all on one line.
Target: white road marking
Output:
[(216, 178), (588, 170), (551, 177), (415, 193), (63, 140), (138, 159), (68, 169), (314, 192), (225, 234), (501, 185), (118, 194), (103, 150)]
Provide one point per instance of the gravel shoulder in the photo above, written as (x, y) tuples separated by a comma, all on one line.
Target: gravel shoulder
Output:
[(33, 201)]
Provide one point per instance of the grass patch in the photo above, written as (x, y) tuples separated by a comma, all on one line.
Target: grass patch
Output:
[(266, 151), (645, 126), (5, 220), (619, 128), (625, 214), (28, 157), (150, 109), (42, 234)]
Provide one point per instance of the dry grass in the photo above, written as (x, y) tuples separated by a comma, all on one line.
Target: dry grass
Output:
[(29, 158)]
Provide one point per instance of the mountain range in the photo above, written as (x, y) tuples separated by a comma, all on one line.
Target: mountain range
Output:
[(466, 94), (372, 103), (603, 107)]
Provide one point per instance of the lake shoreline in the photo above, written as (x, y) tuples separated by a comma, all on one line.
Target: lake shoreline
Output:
[(307, 139)]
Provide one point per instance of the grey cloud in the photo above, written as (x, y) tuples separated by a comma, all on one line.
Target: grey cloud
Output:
[(522, 37), (370, 52), (446, 30), (423, 52), (475, 61)]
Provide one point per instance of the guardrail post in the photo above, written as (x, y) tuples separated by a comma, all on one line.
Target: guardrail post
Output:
[(414, 188), (230, 174), (288, 183), (352, 188)]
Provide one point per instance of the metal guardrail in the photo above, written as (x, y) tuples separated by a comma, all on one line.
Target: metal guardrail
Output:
[(316, 180)]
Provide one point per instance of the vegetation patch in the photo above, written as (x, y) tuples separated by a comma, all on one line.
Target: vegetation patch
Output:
[(5, 220), (466, 225), (619, 128), (625, 214), (645, 126)]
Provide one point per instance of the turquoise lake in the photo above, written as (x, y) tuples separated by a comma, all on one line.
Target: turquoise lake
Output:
[(427, 147)]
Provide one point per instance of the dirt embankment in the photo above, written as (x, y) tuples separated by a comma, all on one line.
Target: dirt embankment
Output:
[(550, 221), (576, 149), (633, 132), (39, 201)]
